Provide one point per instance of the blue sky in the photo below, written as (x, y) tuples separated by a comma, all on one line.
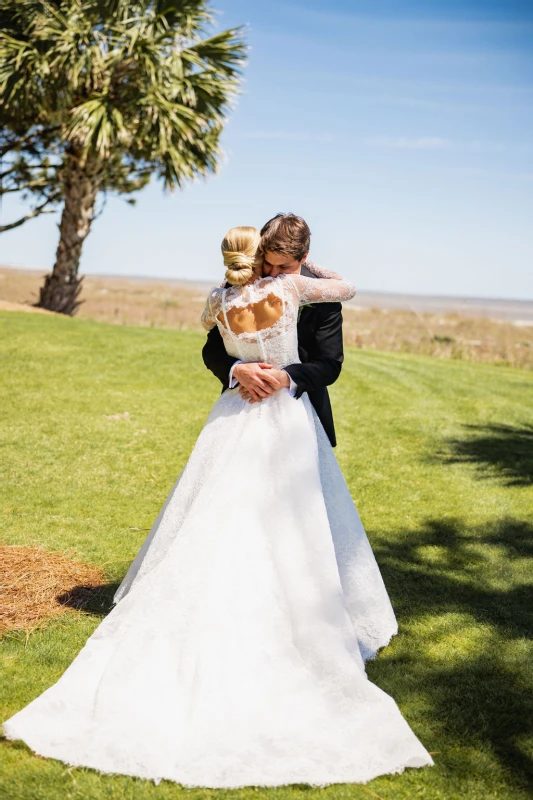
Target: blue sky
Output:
[(402, 132)]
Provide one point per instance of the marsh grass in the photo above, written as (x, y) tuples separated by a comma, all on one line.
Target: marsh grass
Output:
[(99, 419), (166, 304)]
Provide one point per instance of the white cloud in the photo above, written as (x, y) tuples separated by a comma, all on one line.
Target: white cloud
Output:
[(525, 177), (438, 143), (288, 136), (417, 143)]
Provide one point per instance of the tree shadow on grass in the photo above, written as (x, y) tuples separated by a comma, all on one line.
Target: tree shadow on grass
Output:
[(505, 450), (465, 610)]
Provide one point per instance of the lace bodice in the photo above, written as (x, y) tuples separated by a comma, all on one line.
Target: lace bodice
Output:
[(277, 343)]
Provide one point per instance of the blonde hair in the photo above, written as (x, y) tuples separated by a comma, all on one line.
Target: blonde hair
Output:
[(239, 249)]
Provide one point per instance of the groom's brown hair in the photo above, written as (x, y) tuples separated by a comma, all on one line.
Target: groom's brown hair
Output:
[(286, 233)]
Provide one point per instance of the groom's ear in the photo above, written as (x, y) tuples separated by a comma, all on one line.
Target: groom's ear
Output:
[(304, 259)]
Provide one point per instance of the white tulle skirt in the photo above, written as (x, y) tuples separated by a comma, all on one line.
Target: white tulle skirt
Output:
[(234, 655)]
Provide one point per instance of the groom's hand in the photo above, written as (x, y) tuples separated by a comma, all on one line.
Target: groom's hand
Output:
[(281, 376), (257, 379)]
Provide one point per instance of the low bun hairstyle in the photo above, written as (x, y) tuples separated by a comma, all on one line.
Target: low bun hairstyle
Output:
[(239, 250)]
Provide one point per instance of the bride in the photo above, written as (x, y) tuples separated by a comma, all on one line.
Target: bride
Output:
[(234, 653)]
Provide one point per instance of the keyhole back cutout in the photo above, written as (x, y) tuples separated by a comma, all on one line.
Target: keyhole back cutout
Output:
[(254, 316)]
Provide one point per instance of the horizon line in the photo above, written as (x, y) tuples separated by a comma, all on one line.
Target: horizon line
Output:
[(207, 281)]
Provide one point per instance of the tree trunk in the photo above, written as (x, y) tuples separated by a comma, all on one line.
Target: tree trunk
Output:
[(62, 287)]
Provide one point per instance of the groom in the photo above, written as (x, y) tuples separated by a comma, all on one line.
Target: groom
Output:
[(285, 241)]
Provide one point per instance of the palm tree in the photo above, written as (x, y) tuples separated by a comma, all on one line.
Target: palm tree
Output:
[(98, 96)]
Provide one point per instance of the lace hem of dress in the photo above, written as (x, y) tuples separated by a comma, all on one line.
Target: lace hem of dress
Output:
[(283, 777)]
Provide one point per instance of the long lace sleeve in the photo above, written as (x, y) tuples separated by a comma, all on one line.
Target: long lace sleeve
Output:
[(322, 272), (322, 290), (208, 318)]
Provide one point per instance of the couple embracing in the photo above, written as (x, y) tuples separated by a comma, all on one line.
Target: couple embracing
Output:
[(235, 652)]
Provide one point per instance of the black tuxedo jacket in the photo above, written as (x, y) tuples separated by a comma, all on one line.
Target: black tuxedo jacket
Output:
[(319, 348)]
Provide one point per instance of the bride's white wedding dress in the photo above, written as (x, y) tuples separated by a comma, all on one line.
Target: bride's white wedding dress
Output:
[(235, 652)]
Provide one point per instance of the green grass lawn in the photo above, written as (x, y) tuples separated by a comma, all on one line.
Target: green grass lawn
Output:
[(439, 458)]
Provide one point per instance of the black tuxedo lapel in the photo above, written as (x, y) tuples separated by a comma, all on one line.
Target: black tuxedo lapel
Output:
[(311, 323)]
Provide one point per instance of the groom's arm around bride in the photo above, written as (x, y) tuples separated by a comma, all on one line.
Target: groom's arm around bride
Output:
[(285, 244)]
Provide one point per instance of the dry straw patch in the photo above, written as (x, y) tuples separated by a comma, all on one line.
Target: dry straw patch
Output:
[(37, 585)]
